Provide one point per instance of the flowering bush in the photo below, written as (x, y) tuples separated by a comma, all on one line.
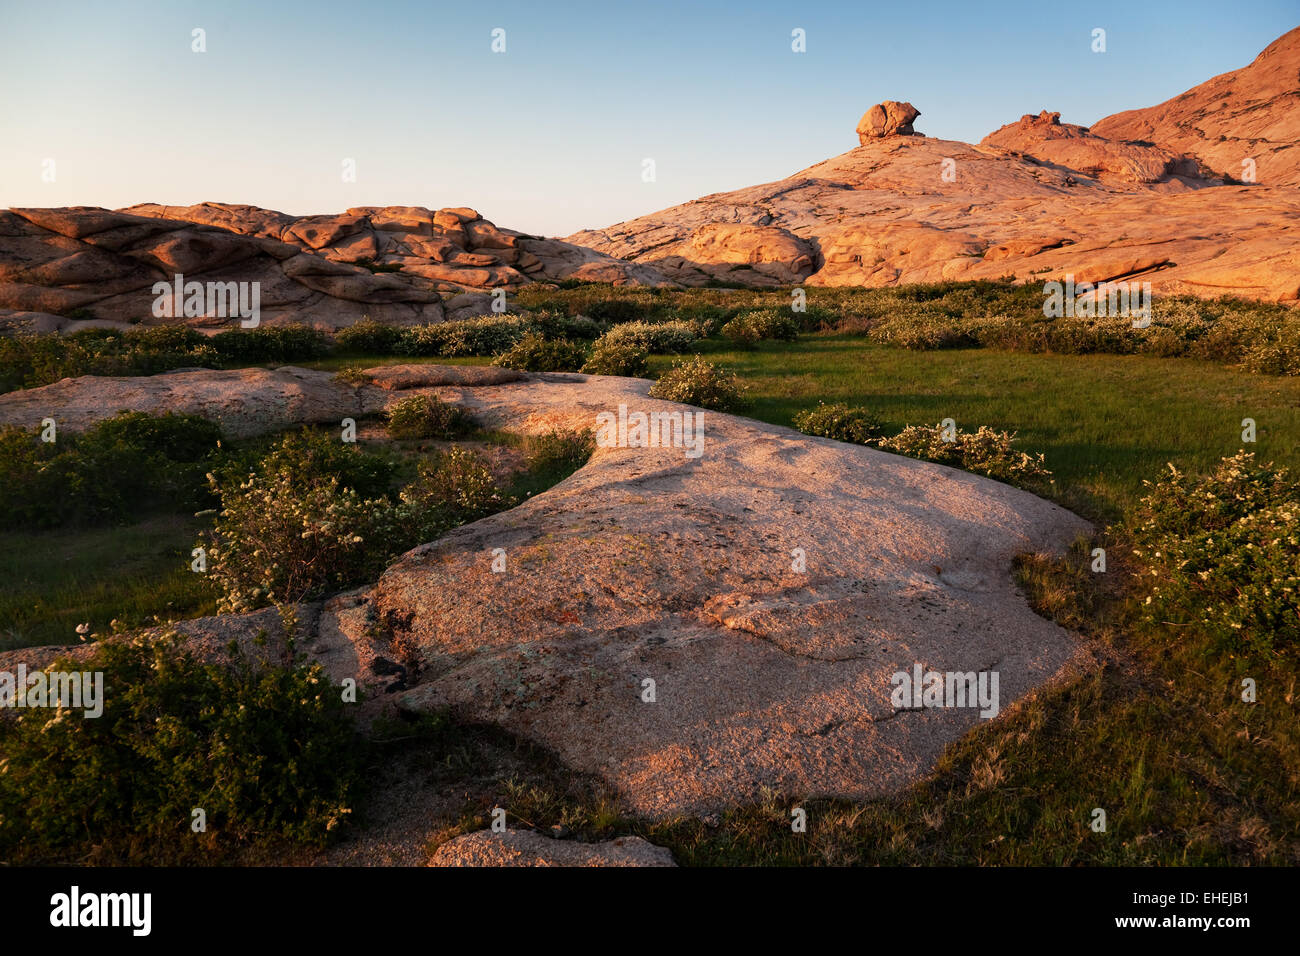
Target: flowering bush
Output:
[(985, 452), (535, 353), (277, 541), (750, 327), (426, 416), (484, 335), (1223, 551), (299, 527), (656, 337), (697, 382), (615, 356), (454, 488), (839, 421)]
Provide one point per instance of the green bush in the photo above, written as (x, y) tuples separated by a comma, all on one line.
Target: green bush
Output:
[(279, 540), (1223, 552), (29, 361), (984, 452), (426, 416), (839, 421), (750, 327), (697, 382), (283, 343), (121, 468), (268, 752), (612, 356), (300, 525), (557, 325), (309, 456), (453, 488), (535, 353), (656, 337), (563, 451), (368, 337), (486, 335)]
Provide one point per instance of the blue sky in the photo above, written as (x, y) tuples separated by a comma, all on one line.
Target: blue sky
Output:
[(549, 136)]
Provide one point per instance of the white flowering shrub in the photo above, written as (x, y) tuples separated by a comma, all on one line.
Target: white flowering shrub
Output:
[(1223, 552), (984, 451), (277, 540), (615, 356), (660, 338)]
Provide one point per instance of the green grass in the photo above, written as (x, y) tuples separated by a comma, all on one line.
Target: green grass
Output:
[(58, 579), (1105, 422)]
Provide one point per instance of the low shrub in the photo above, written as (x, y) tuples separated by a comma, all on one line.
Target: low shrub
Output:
[(121, 468), (984, 452), (658, 338), (560, 452), (749, 328), (282, 343), (1222, 551), (279, 539), (368, 337), (697, 382), (300, 526), (615, 356), (840, 422), (453, 488), (268, 751), (426, 416), (484, 335), (309, 456), (557, 325), (536, 353)]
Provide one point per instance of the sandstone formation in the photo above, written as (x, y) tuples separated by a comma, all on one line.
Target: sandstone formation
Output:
[(1036, 200), (889, 118), (454, 249), (646, 564), (527, 848), (1251, 113), (64, 269), (1045, 138)]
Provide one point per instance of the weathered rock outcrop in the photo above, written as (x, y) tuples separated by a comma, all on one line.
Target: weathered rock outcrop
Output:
[(63, 269), (1044, 137), (1248, 114), (1036, 200), (647, 565), (453, 249), (527, 848), (84, 263), (919, 209), (889, 118)]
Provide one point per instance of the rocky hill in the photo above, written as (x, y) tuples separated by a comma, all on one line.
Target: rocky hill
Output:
[(1136, 196), (65, 268), (1251, 113)]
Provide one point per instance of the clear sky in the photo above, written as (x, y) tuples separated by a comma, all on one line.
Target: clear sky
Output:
[(549, 136)]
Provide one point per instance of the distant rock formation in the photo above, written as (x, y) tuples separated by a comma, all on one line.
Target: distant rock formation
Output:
[(1044, 137), (1130, 198), (1248, 114), (64, 269), (889, 118)]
